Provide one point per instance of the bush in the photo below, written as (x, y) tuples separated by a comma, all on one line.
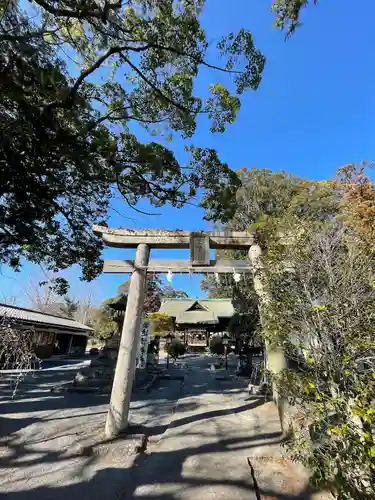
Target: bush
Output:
[(176, 349), (217, 346), (17, 350), (323, 314)]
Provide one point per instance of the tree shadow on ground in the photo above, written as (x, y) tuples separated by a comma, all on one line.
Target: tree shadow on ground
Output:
[(150, 430), (159, 476), (34, 395), (41, 401)]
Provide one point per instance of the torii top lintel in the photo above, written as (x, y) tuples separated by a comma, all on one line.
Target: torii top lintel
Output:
[(164, 238)]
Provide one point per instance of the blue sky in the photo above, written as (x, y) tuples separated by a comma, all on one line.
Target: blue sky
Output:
[(313, 112)]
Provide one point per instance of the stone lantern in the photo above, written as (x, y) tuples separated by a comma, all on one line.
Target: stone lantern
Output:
[(99, 375)]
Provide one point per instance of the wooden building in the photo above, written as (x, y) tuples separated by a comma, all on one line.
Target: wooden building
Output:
[(196, 319), (51, 334)]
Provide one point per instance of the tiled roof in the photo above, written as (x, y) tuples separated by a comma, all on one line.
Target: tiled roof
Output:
[(197, 318), (28, 315), (221, 308)]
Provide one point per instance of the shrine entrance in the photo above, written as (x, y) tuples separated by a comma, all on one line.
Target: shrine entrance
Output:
[(195, 320), (199, 244)]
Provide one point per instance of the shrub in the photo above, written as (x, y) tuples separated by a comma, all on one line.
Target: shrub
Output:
[(322, 312), (217, 346), (17, 350), (176, 349)]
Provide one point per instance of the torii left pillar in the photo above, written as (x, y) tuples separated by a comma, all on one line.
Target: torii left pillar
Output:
[(118, 414)]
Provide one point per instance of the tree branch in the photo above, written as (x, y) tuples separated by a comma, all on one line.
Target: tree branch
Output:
[(196, 59), (96, 65), (126, 198), (120, 214), (143, 120), (91, 69), (150, 183), (26, 36), (103, 118), (155, 88), (79, 14)]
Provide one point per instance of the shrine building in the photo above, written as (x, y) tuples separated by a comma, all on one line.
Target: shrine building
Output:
[(195, 319)]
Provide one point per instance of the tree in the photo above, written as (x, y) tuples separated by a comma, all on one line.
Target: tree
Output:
[(168, 292), (86, 311), (41, 295), (70, 307), (44, 299), (322, 312), (105, 321), (162, 323), (358, 203), (17, 350), (175, 349), (264, 198), (67, 141), (288, 13), (216, 345), (318, 272), (152, 300), (55, 182), (155, 293)]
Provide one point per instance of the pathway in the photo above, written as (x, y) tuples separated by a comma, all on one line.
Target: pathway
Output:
[(204, 452), (207, 440), (39, 431)]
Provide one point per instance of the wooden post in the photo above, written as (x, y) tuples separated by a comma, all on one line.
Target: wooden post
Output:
[(117, 417), (275, 356), (70, 345)]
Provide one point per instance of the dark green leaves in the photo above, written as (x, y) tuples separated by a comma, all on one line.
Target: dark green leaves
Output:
[(242, 53), (76, 82), (288, 14), (219, 182)]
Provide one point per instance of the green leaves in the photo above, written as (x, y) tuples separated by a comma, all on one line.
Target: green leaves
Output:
[(69, 135), (337, 358), (288, 14), (51, 190), (105, 321), (222, 108), (240, 50), (219, 182), (320, 308), (161, 323), (318, 276)]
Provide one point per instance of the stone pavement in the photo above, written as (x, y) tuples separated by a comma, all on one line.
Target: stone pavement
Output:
[(208, 439), (221, 444), (41, 434)]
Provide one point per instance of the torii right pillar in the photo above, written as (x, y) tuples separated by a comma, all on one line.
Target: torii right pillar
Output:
[(275, 361)]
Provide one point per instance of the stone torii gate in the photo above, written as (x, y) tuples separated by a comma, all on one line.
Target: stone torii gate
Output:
[(199, 244)]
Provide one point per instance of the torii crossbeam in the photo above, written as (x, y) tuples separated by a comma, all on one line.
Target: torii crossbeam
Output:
[(199, 243)]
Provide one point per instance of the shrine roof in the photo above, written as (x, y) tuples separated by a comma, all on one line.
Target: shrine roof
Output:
[(198, 311), (197, 318)]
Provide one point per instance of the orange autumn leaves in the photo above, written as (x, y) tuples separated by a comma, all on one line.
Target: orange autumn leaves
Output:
[(358, 201)]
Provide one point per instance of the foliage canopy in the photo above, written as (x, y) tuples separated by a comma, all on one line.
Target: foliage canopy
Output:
[(107, 322), (78, 82), (317, 272)]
